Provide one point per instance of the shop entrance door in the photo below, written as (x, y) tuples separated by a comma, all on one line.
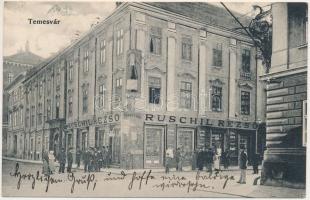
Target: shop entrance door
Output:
[(185, 141), (153, 149)]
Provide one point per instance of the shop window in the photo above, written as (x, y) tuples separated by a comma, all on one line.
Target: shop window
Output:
[(102, 51), (86, 61), (70, 106), (186, 95), (85, 101), (304, 123), (216, 97), (246, 60), (245, 103), (155, 41), (119, 42), (187, 48), (217, 55), (243, 142), (154, 90)]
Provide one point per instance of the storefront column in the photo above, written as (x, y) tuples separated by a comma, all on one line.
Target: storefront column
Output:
[(91, 136), (74, 134)]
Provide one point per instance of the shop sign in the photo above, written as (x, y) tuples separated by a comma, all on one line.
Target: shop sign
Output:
[(172, 119), (106, 119)]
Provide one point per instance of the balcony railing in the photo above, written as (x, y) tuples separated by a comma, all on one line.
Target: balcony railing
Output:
[(246, 76)]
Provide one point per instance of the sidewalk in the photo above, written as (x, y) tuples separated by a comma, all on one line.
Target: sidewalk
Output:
[(116, 170)]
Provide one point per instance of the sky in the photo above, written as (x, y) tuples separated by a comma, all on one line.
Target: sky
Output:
[(75, 18)]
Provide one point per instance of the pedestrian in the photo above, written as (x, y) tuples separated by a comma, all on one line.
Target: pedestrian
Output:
[(169, 159), (99, 160), (217, 157), (178, 159), (225, 158), (200, 160), (51, 162), (91, 160), (108, 157), (86, 159), (78, 157), (95, 160), (242, 165), (104, 157), (62, 160), (209, 158), (194, 159), (45, 169), (70, 161), (255, 162)]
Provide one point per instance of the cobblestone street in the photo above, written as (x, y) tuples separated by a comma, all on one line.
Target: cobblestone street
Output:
[(115, 183)]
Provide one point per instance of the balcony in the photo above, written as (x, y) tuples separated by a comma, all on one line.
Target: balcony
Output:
[(246, 76)]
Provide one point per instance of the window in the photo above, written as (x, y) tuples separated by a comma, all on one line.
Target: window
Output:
[(187, 49), (21, 117), (246, 60), (186, 95), (48, 109), (217, 55), (57, 106), (58, 76), (41, 89), (70, 70), (40, 114), (27, 118), (101, 95), (32, 115), (10, 77), (155, 40), (48, 85), (102, 52), (298, 22), (119, 82), (70, 106), (85, 101), (245, 103), (119, 41), (154, 90), (304, 123), (86, 61), (216, 98)]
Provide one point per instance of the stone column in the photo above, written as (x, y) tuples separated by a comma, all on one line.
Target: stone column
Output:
[(202, 73), (91, 136), (74, 134), (233, 73)]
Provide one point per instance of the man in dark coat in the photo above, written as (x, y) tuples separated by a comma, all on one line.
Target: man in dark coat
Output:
[(70, 161), (209, 159), (200, 159), (86, 160), (242, 165), (78, 157), (62, 161), (255, 162)]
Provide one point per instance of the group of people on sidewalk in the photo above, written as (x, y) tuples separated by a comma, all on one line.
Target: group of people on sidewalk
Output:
[(93, 159)]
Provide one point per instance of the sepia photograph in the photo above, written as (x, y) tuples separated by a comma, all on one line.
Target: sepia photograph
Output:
[(154, 99)]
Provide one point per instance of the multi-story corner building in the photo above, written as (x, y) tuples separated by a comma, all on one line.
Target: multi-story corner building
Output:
[(13, 66), (285, 157), (151, 76)]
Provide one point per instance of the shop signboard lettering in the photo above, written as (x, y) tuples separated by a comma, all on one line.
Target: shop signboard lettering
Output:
[(186, 120), (106, 119)]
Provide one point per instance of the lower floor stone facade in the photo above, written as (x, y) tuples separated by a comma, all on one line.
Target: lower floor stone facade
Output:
[(139, 140)]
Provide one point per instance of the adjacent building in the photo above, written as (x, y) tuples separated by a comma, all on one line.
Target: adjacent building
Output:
[(285, 157), (149, 77)]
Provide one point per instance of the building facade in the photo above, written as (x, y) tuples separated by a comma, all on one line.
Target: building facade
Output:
[(151, 76), (285, 157)]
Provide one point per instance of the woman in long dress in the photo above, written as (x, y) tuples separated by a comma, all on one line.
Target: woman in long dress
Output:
[(45, 159), (51, 158), (217, 158)]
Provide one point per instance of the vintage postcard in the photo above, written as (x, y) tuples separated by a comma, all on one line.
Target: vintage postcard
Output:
[(154, 99)]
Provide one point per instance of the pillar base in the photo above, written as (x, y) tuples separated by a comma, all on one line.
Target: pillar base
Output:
[(284, 167)]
